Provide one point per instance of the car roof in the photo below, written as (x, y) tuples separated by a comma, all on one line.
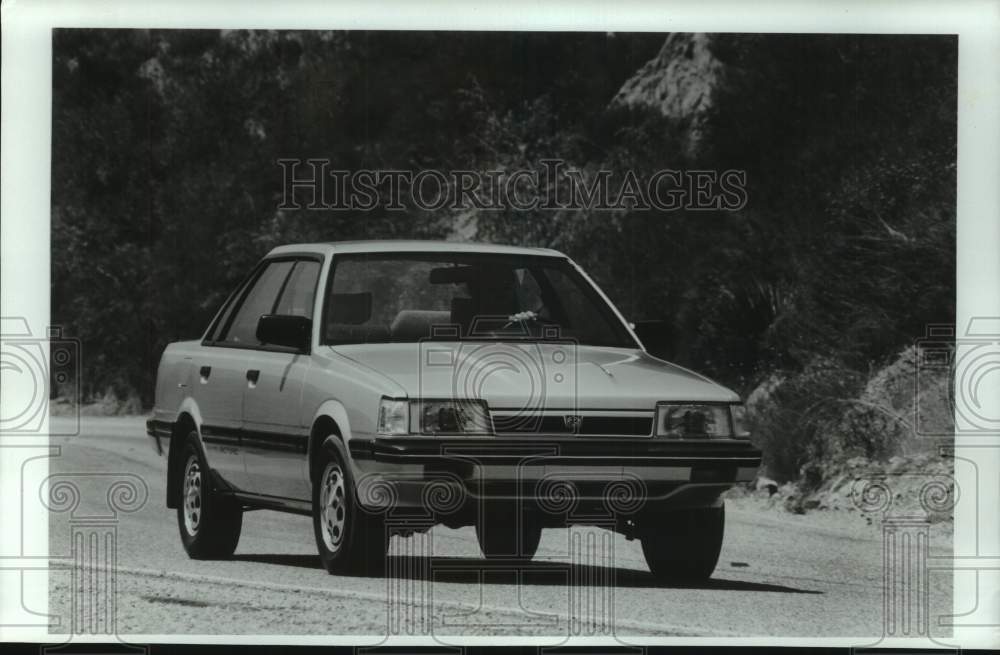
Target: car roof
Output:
[(409, 245)]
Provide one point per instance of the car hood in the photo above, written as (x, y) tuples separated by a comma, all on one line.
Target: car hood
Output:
[(538, 374)]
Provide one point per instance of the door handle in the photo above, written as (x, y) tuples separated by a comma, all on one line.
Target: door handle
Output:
[(205, 371), (252, 375)]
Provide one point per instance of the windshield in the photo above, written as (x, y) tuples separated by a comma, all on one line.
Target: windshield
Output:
[(409, 297)]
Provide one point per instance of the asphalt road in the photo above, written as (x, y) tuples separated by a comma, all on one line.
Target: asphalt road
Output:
[(779, 574)]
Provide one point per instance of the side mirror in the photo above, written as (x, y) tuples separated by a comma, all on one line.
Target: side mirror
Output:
[(656, 336), (285, 330)]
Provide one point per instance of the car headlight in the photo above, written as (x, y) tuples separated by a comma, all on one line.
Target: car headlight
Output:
[(741, 426), (393, 416), (693, 421), (452, 417)]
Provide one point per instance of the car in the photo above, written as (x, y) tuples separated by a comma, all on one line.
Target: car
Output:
[(384, 387)]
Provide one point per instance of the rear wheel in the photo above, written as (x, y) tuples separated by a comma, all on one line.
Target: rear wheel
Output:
[(348, 539), (502, 536), (209, 523), (687, 549)]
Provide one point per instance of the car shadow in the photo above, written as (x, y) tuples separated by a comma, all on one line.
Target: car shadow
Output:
[(469, 570)]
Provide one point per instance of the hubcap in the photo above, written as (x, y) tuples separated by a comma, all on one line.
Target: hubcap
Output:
[(333, 506), (192, 495)]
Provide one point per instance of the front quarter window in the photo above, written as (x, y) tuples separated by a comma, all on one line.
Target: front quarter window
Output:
[(281, 286), (242, 329), (300, 290)]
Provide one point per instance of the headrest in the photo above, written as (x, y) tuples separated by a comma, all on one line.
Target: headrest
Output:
[(462, 311)]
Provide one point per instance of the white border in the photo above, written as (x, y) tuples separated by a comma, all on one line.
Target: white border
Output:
[(25, 132)]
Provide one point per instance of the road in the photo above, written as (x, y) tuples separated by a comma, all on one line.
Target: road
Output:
[(779, 574)]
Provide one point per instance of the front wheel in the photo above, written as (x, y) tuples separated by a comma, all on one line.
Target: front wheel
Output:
[(209, 523), (348, 539), (683, 546)]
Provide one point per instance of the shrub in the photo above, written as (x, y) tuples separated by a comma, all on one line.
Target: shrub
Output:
[(794, 416)]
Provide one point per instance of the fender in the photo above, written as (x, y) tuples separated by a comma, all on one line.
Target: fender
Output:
[(338, 446), (335, 410), (190, 407)]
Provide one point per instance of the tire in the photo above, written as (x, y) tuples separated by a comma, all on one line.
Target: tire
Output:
[(349, 540), (502, 536), (209, 522), (687, 550)]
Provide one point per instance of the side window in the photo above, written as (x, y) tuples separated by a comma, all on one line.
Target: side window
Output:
[(259, 300), (300, 290), (220, 326)]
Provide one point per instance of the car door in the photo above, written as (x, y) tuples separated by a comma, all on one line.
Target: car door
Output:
[(275, 434), (222, 367)]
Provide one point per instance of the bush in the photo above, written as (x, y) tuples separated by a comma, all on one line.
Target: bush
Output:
[(899, 410), (794, 416), (810, 422)]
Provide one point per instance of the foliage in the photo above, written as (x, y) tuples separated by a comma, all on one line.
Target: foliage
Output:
[(165, 186)]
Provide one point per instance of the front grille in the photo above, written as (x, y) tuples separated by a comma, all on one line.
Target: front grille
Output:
[(640, 425)]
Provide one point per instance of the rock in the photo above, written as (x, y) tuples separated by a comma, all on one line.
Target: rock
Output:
[(766, 484), (792, 504), (840, 484), (897, 465), (811, 474), (680, 83), (761, 395)]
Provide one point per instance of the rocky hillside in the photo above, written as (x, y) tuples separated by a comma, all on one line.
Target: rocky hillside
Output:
[(847, 397), (893, 432), (680, 83)]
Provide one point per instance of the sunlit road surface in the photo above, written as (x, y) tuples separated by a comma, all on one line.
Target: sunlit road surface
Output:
[(779, 574)]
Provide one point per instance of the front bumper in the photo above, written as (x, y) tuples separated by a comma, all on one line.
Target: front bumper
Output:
[(638, 472), (558, 450)]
